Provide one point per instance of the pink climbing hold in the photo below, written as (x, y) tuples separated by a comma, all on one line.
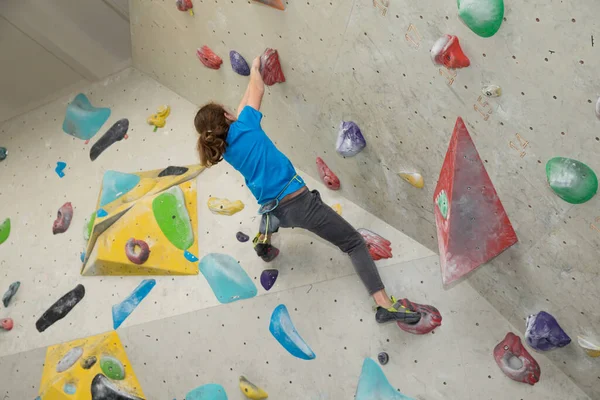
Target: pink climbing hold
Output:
[(63, 220), (327, 176), (430, 318), (6, 324), (447, 51), (270, 68), (209, 58), (378, 246)]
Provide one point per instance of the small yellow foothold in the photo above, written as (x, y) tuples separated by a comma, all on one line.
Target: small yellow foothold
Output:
[(251, 391), (159, 119), (590, 348), (414, 178), (224, 206), (337, 207), (191, 12)]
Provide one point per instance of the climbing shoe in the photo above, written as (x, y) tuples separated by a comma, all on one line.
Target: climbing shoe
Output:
[(397, 312), (266, 251)]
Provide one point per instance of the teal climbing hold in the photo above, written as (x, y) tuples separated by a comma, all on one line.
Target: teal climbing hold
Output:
[(83, 120), (283, 330), (373, 384), (227, 278), (211, 391), (116, 184), (483, 17), (101, 213), (173, 218), (571, 180)]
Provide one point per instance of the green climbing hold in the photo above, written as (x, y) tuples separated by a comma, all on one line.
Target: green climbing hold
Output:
[(442, 203), (483, 17), (89, 225), (172, 217), (4, 230), (571, 180), (112, 368)]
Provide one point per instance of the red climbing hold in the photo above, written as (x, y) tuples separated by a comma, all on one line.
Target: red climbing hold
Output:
[(63, 219), (447, 51), (430, 318), (472, 226), (278, 4), (270, 68), (209, 58), (327, 176), (515, 361), (184, 5), (6, 324), (379, 247)]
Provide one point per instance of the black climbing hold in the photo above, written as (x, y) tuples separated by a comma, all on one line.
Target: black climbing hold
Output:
[(12, 290), (116, 133), (383, 358), (89, 362), (242, 237), (171, 170), (103, 389), (61, 308)]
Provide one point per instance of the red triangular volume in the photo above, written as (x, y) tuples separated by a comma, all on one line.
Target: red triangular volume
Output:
[(278, 4), (472, 226), (270, 68)]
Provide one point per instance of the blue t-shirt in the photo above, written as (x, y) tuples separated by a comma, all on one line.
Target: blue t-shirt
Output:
[(250, 151)]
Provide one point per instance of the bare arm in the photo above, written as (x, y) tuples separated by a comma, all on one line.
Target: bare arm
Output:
[(256, 87)]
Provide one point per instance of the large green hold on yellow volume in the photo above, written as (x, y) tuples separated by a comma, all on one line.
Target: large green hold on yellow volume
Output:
[(571, 180), (4, 230), (173, 218), (483, 17)]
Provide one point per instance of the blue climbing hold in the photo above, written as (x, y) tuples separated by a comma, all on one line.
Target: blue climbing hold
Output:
[(238, 63), (121, 311), (69, 388), (543, 332), (373, 384), (82, 256), (83, 120), (60, 167), (212, 391), (227, 278), (189, 256), (3, 153), (116, 184), (282, 328), (101, 213)]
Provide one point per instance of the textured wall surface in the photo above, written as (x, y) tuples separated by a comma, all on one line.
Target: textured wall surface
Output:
[(344, 60)]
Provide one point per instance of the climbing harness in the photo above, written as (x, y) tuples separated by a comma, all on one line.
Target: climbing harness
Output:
[(268, 222)]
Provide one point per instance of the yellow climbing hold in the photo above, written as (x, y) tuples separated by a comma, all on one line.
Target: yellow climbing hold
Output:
[(224, 206), (414, 178), (251, 391), (590, 348), (159, 119), (337, 207)]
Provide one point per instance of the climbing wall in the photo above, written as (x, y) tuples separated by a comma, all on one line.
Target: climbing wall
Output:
[(351, 60)]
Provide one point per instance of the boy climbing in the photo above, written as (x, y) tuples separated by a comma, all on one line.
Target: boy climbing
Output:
[(282, 195)]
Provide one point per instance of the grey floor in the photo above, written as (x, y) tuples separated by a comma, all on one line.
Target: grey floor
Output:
[(180, 337)]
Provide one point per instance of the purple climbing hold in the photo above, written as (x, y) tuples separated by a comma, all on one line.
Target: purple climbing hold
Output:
[(350, 139), (238, 63), (383, 358), (242, 237), (268, 278), (543, 332)]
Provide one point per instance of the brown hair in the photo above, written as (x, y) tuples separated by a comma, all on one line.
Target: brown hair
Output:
[(213, 126)]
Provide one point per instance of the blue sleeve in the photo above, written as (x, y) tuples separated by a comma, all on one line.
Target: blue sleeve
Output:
[(250, 117)]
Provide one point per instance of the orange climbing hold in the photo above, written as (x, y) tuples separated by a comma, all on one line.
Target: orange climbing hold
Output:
[(270, 68), (278, 4), (209, 58), (447, 51)]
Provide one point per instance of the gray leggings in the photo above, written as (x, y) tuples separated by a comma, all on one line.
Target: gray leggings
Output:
[(308, 211)]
